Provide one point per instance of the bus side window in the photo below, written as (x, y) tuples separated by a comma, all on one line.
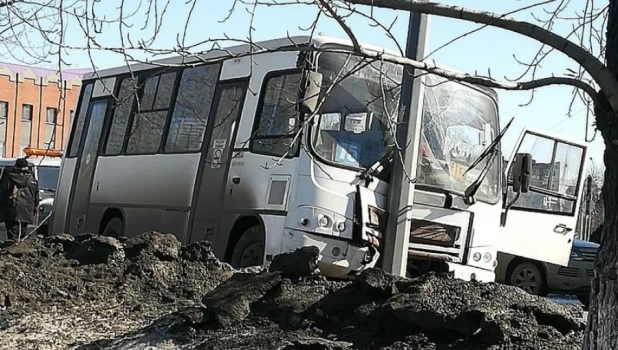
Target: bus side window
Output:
[(78, 128), (149, 121), (124, 103), (193, 102), (277, 121)]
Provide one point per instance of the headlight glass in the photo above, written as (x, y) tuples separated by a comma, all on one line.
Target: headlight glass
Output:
[(576, 254), (323, 221), (377, 218)]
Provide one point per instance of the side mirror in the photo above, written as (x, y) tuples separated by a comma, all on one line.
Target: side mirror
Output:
[(522, 168), (310, 87)]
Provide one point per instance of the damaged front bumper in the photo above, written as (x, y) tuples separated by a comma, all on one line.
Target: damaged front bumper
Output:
[(471, 273), (339, 258)]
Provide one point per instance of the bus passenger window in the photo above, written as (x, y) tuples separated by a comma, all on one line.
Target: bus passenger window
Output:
[(277, 120), (195, 94), (149, 121), (118, 129), (78, 126)]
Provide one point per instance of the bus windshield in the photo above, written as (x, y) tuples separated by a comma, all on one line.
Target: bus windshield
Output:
[(352, 128), (355, 123)]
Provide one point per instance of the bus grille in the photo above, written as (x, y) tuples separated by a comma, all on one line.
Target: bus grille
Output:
[(433, 233)]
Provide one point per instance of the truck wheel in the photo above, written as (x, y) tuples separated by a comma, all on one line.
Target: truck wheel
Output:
[(249, 250), (529, 277), (114, 228)]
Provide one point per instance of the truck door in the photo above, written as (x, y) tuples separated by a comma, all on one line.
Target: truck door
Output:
[(540, 225)]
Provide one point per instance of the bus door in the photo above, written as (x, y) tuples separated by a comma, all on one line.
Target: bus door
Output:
[(540, 224), (87, 156), (218, 143)]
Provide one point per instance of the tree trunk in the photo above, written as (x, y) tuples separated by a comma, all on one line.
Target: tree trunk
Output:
[(602, 328)]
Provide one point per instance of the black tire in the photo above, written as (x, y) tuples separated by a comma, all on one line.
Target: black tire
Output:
[(249, 250), (43, 231), (114, 228), (530, 278), (584, 299)]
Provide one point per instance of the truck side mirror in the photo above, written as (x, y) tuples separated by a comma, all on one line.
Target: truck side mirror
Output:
[(310, 87), (522, 168)]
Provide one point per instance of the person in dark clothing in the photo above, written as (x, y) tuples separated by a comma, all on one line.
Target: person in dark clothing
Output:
[(595, 237), (19, 199)]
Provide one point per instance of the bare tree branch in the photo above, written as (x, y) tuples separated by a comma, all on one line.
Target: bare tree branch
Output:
[(591, 64)]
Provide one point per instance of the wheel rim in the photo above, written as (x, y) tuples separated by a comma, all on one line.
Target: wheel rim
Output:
[(252, 255), (527, 280)]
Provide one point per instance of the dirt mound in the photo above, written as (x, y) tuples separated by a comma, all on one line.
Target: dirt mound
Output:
[(90, 292)]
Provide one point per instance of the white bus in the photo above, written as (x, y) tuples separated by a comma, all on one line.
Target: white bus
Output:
[(219, 148)]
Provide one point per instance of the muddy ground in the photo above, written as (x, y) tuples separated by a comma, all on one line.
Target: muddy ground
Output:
[(149, 292)]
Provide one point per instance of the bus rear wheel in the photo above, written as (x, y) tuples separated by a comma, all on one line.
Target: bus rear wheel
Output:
[(114, 228), (249, 250)]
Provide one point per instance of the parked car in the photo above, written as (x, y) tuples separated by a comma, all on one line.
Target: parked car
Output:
[(542, 278)]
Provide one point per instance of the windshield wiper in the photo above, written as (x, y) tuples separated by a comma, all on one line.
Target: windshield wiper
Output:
[(491, 151), (47, 189)]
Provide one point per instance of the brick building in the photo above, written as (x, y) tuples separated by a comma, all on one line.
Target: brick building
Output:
[(31, 107)]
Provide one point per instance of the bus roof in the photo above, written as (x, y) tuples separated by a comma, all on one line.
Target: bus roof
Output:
[(270, 45)]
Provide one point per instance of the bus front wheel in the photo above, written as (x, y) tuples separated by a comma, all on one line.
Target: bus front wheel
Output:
[(114, 228), (249, 250)]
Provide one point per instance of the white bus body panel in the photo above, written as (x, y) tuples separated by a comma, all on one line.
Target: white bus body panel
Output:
[(542, 236), (61, 199), (153, 191), (165, 180)]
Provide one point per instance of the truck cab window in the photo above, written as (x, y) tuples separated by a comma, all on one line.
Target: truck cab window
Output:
[(555, 175)]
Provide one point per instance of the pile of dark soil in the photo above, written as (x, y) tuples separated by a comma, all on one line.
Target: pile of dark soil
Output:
[(148, 292)]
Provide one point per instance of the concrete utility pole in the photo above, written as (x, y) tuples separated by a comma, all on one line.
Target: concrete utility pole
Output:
[(401, 193)]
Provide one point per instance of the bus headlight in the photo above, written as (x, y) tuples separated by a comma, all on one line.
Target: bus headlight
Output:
[(323, 221), (487, 257), (477, 256), (341, 226)]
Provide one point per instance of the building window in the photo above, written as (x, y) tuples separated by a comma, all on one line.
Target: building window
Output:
[(50, 145), (51, 115), (21, 150), (26, 126), (149, 120), (4, 109), (71, 116), (277, 121), (26, 113)]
